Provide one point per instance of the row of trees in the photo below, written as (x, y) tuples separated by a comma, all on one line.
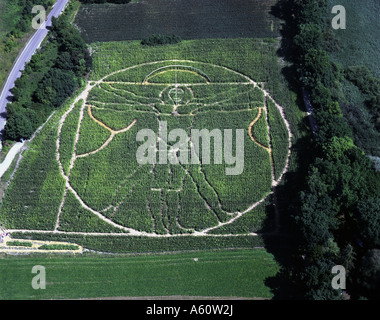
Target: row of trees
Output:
[(160, 39), (337, 214), (49, 78)]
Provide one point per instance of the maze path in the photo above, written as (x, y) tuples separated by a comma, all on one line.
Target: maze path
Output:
[(251, 134)]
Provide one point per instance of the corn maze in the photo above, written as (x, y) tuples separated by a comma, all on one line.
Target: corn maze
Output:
[(82, 180), (104, 179)]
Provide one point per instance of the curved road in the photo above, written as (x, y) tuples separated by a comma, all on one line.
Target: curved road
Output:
[(26, 54)]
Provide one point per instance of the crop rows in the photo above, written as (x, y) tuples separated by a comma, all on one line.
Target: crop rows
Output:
[(127, 244), (33, 198), (66, 147), (184, 18)]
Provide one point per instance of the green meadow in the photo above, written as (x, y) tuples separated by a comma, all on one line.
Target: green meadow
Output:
[(228, 273)]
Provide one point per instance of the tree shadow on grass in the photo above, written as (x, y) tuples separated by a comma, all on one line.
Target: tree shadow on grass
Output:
[(283, 244)]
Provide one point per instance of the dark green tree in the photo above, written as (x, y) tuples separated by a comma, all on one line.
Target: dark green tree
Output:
[(18, 125), (368, 278), (309, 36), (367, 216), (316, 67)]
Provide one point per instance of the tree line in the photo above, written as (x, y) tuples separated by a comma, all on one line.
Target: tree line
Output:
[(160, 39), (336, 216), (51, 76)]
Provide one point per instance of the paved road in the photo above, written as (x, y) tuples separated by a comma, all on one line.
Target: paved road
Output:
[(24, 57), (9, 157)]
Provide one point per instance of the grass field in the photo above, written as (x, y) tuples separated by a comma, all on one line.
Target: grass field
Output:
[(232, 273), (189, 19)]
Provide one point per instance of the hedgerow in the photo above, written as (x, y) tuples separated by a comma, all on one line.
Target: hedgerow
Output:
[(58, 247), (161, 39), (132, 244), (16, 243)]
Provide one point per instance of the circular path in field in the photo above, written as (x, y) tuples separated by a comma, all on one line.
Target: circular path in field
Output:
[(177, 95)]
